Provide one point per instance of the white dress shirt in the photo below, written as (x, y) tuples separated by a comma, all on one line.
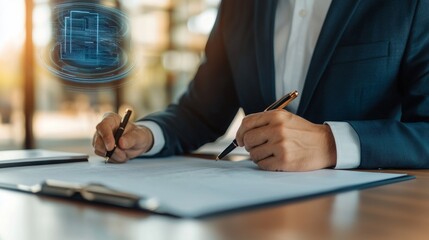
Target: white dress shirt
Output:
[(297, 28)]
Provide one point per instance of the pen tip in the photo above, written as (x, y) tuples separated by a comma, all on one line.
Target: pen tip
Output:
[(217, 158), (227, 150), (106, 160)]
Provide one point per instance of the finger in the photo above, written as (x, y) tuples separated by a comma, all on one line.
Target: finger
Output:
[(101, 153), (112, 119), (106, 134), (258, 136), (285, 160), (99, 146), (137, 141), (106, 128), (270, 164), (279, 160), (260, 153), (131, 138), (250, 122), (118, 156), (94, 138), (129, 141)]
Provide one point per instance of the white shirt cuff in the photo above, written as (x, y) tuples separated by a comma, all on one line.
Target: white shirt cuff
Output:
[(158, 137), (347, 144)]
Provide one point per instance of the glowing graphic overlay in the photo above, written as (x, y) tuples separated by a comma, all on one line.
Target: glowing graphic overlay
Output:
[(91, 44)]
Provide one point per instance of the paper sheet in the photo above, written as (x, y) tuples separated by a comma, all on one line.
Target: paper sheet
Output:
[(217, 147), (191, 187)]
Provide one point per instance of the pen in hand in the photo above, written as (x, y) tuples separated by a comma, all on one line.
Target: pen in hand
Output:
[(119, 133), (279, 104)]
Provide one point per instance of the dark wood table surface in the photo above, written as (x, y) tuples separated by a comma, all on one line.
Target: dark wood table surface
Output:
[(394, 211)]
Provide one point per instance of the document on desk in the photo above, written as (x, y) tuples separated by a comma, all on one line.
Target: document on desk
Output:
[(192, 187), (15, 158)]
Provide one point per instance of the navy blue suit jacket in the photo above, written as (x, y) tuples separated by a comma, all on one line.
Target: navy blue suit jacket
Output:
[(370, 68)]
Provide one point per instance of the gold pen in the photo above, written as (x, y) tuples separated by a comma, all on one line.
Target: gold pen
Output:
[(279, 104)]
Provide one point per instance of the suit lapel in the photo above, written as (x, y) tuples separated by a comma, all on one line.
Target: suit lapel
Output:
[(338, 17), (264, 46)]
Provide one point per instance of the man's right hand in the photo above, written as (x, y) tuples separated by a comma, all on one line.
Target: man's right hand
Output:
[(134, 141)]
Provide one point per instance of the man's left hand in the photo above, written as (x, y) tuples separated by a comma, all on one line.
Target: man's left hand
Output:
[(278, 140)]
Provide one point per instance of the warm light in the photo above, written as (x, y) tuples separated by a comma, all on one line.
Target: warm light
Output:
[(213, 2), (42, 27), (132, 4), (180, 61), (203, 23), (12, 27)]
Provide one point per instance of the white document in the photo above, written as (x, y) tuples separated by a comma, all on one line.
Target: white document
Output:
[(191, 187), (217, 147)]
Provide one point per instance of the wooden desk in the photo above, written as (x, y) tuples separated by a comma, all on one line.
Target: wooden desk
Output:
[(396, 211)]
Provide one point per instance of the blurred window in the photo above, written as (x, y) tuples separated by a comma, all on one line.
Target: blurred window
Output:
[(167, 39)]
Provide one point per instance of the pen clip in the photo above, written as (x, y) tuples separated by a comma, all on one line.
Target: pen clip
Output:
[(283, 102), (97, 193)]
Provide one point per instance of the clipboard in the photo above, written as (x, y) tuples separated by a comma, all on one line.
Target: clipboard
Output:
[(96, 193), (185, 186)]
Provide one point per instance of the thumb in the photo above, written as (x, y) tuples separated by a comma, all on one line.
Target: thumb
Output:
[(126, 141), (139, 138)]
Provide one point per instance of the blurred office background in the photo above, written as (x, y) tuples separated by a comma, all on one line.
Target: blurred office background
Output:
[(38, 110)]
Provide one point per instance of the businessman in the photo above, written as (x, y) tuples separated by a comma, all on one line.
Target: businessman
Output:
[(362, 68)]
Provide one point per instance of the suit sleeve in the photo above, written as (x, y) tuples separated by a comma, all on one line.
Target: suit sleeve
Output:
[(403, 143), (208, 106)]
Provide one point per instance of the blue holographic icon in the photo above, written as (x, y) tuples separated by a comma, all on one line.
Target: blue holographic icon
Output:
[(91, 44), (81, 41)]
